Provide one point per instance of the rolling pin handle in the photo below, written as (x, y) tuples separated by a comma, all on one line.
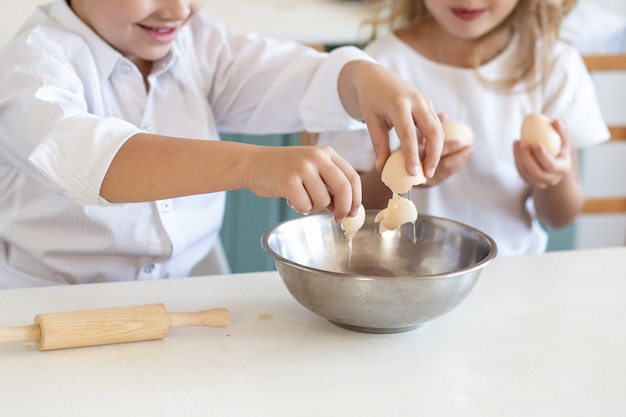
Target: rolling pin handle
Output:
[(215, 317), (30, 333)]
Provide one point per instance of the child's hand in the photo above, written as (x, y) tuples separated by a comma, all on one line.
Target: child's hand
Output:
[(384, 100), (540, 169), (310, 178), (453, 158)]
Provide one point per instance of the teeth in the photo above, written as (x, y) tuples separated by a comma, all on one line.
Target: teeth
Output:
[(159, 30)]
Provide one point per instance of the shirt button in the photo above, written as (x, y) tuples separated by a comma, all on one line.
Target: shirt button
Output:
[(125, 69), (165, 207), (146, 127), (148, 268)]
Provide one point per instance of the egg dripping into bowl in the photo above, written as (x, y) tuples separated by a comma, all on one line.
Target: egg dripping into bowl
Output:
[(400, 208)]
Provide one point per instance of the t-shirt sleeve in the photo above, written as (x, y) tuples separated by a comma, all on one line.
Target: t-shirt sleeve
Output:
[(570, 96)]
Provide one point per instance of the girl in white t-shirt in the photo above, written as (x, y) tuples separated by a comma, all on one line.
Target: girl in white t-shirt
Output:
[(488, 66)]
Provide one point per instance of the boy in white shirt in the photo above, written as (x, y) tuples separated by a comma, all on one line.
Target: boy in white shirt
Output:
[(110, 163)]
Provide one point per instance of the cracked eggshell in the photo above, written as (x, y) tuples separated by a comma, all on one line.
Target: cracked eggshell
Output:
[(396, 177), (455, 130), (353, 224), (400, 210), (536, 128)]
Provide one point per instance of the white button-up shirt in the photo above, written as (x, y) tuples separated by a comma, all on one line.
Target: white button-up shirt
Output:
[(68, 102)]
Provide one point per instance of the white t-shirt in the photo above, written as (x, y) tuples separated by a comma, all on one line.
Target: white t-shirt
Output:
[(68, 102), (488, 193)]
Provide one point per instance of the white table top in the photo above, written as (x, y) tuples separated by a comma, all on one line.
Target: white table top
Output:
[(540, 335), (310, 21)]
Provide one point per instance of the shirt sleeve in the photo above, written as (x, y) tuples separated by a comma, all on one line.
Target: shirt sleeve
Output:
[(78, 168), (46, 129), (321, 107), (570, 96), (260, 86), (355, 146)]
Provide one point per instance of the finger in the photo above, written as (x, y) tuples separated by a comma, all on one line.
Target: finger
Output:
[(543, 160), (421, 145), (449, 147), (529, 168), (412, 119), (331, 183), (355, 183), (379, 134), (561, 129), (334, 197), (409, 143), (331, 207), (523, 159), (430, 126), (344, 185), (319, 193), (299, 200)]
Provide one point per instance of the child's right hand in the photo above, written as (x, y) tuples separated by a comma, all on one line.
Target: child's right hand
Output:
[(385, 100), (310, 178)]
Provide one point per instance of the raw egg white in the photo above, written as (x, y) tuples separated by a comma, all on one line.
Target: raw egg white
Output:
[(399, 210), (396, 177), (454, 130), (536, 128), (353, 224)]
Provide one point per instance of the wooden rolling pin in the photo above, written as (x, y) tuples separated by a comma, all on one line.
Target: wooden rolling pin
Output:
[(108, 325)]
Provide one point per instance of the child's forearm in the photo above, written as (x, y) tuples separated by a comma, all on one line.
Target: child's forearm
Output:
[(310, 178), (151, 167), (559, 205)]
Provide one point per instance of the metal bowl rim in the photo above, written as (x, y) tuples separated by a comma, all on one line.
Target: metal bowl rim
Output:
[(493, 251)]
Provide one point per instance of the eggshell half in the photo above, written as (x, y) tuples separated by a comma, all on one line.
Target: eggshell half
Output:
[(399, 210), (536, 128), (396, 177), (353, 224)]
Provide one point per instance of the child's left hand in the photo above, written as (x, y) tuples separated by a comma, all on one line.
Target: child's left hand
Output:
[(537, 167)]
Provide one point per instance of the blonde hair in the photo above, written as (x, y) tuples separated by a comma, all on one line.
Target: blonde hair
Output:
[(531, 20)]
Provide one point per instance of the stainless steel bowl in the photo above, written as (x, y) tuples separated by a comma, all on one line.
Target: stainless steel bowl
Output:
[(378, 283)]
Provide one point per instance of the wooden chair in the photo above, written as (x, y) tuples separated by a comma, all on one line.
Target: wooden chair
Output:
[(605, 63)]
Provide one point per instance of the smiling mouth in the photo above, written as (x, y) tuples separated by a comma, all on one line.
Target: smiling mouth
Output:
[(161, 30), (467, 14), (160, 35)]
